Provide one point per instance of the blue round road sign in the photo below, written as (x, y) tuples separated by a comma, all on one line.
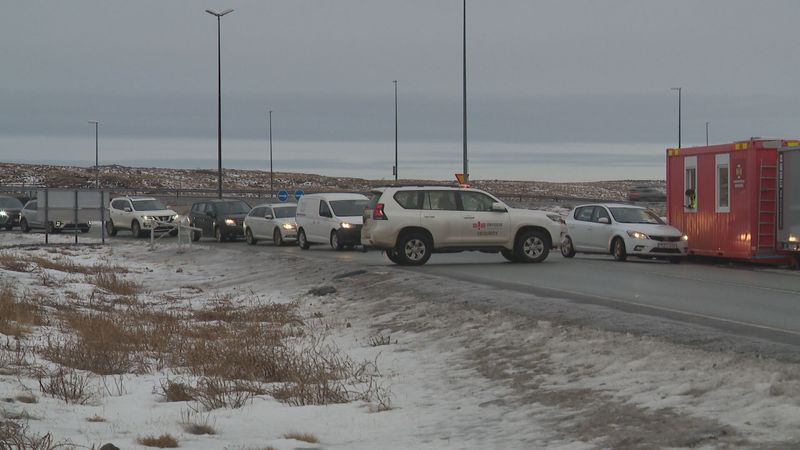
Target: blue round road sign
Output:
[(283, 196), (298, 193)]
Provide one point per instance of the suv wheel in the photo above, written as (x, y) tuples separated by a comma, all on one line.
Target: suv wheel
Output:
[(218, 234), (302, 241), (336, 242), (23, 225), (110, 230), (277, 237), (618, 250), (531, 247), (248, 236), (195, 235), (567, 249), (413, 249), (136, 230), (393, 256)]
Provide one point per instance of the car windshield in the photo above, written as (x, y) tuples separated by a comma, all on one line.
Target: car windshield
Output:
[(284, 212), (10, 202), (635, 215), (349, 208), (147, 205), (233, 207)]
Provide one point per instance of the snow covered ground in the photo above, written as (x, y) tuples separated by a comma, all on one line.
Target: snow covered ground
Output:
[(445, 373)]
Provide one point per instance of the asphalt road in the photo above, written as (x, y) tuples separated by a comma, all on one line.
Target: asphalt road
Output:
[(756, 300), (753, 300)]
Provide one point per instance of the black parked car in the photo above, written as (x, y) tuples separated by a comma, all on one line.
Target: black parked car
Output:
[(222, 218), (646, 194), (10, 209)]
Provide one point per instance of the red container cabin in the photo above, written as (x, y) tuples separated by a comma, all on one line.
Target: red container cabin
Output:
[(734, 212)]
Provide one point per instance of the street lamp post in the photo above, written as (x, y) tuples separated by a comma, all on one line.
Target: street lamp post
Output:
[(679, 89), (96, 155), (466, 164), (396, 168), (271, 175), (219, 96), (707, 133)]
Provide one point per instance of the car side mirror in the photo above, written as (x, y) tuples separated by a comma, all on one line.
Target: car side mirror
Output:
[(268, 216), (499, 207), (604, 220), (128, 209)]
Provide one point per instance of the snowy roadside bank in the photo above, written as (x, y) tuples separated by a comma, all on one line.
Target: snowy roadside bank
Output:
[(457, 376)]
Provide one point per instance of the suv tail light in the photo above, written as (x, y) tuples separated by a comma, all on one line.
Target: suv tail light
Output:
[(377, 213)]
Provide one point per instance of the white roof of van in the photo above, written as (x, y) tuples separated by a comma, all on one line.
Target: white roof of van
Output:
[(336, 196)]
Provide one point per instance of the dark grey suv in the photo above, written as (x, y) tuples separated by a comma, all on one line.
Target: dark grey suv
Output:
[(222, 219)]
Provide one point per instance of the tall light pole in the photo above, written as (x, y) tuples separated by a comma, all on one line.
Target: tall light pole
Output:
[(707, 133), (271, 176), (679, 89), (396, 169), (219, 95), (466, 164), (96, 155)]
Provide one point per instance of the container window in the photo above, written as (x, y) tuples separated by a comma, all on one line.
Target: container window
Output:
[(690, 184), (723, 183)]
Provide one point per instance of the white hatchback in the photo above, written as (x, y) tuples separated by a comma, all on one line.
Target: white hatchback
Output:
[(273, 221), (622, 230)]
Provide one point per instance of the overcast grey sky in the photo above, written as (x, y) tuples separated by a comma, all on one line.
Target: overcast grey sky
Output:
[(538, 71)]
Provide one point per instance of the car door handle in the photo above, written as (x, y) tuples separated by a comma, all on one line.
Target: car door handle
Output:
[(429, 217), (469, 217)]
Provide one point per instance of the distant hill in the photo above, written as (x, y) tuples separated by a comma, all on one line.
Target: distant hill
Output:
[(115, 176)]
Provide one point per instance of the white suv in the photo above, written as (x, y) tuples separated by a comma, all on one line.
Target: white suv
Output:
[(411, 222), (139, 215)]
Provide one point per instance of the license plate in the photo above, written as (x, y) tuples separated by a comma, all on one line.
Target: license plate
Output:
[(667, 245)]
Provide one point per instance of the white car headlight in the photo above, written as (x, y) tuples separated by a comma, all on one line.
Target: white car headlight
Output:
[(230, 221), (288, 226), (3, 213), (637, 235), (147, 217), (347, 225), (685, 237)]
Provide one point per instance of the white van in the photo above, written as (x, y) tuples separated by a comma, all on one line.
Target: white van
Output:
[(333, 219)]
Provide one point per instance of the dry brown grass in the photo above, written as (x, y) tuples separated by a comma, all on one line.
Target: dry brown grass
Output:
[(26, 398), (175, 391), (163, 441), (16, 315), (14, 263), (62, 264), (196, 423), (304, 437), (68, 385), (16, 436), (110, 282)]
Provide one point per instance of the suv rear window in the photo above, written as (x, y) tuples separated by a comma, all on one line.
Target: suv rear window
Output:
[(409, 199)]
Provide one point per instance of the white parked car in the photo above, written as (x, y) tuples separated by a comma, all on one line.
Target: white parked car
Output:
[(412, 222), (622, 230), (333, 219), (140, 215), (275, 221)]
